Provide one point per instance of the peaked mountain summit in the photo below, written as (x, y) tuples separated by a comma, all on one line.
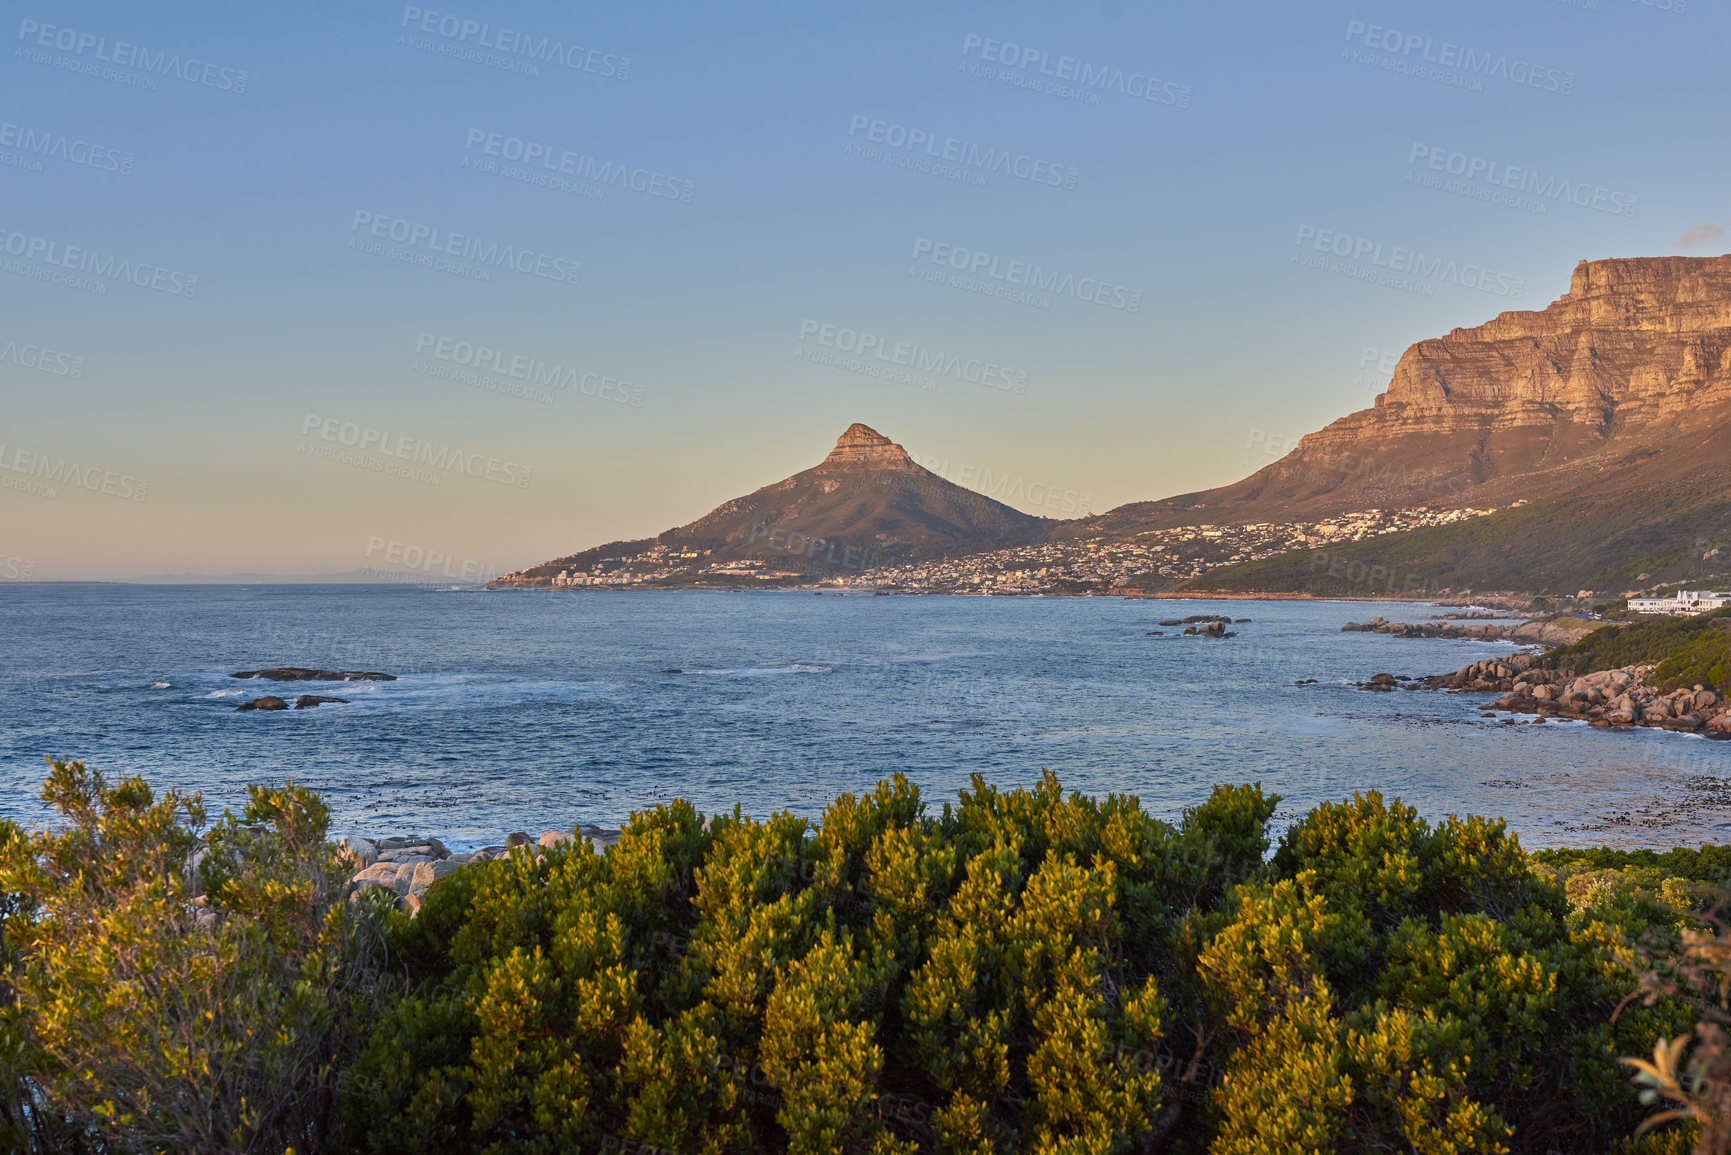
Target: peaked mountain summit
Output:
[(867, 503)]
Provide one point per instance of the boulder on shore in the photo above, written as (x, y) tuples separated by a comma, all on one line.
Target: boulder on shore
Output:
[(409, 865)]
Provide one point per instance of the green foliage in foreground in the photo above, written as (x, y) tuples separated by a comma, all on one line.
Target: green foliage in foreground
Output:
[(1023, 971), (167, 992), (1687, 651)]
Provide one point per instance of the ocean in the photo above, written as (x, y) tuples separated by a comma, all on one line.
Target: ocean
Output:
[(529, 711)]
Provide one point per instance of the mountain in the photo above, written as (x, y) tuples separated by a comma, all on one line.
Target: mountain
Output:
[(1607, 414), (867, 503)]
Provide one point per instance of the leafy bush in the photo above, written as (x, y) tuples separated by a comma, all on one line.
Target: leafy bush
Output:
[(1022, 971), (173, 993)]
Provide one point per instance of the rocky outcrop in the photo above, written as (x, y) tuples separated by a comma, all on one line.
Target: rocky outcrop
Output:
[(309, 701), (1542, 633), (300, 674), (862, 447), (268, 702), (1604, 698)]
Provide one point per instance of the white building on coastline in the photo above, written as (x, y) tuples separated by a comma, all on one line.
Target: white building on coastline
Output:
[(1680, 603)]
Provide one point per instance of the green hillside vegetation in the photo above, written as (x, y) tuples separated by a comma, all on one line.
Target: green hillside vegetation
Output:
[(1686, 651), (1019, 971), (1548, 547)]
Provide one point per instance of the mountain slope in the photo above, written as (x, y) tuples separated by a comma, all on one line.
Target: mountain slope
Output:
[(867, 503)]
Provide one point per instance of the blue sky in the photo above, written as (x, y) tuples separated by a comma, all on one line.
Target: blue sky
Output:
[(1213, 199)]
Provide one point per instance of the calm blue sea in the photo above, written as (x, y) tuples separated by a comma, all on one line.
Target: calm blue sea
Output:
[(523, 711)]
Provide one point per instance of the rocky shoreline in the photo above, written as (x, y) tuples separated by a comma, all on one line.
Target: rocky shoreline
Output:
[(1522, 633), (1607, 699)]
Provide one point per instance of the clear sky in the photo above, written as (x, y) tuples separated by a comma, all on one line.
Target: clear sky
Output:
[(1116, 250)]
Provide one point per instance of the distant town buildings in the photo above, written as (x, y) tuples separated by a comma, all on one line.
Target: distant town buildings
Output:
[(1080, 565)]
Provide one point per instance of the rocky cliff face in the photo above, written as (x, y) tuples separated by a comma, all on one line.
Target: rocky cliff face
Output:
[(1632, 342), (1622, 382)]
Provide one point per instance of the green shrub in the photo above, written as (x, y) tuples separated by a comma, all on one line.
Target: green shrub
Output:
[(146, 1016), (1022, 971), (1025, 971)]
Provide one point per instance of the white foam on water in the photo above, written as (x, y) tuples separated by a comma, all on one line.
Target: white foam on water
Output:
[(761, 671)]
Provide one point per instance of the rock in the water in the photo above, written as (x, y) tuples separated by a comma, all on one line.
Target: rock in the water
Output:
[(301, 674), (268, 702), (308, 701)]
